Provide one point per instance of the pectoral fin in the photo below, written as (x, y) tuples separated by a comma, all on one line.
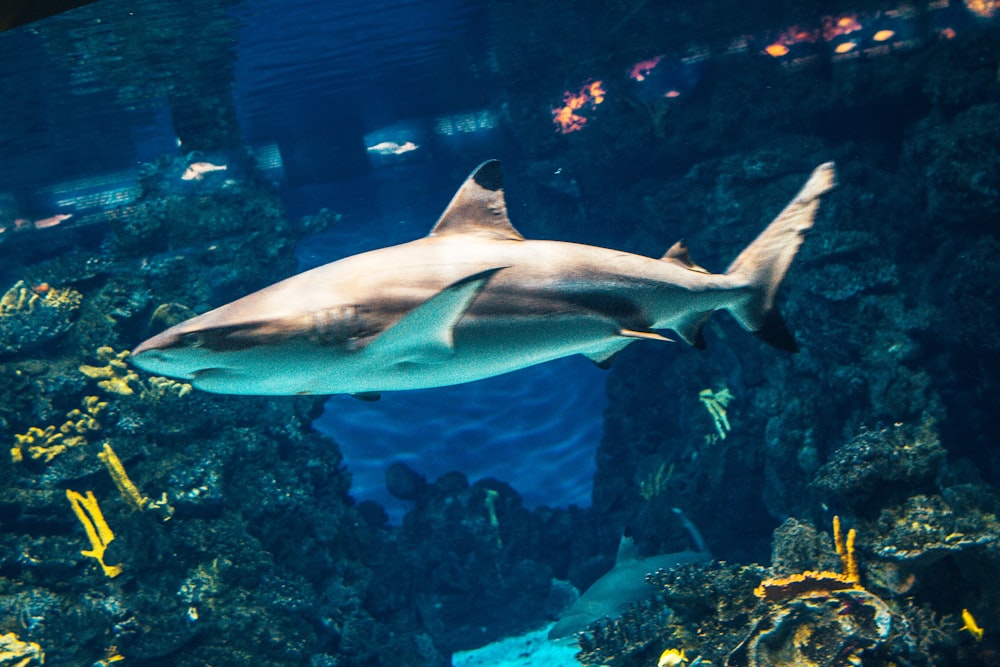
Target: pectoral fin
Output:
[(426, 333)]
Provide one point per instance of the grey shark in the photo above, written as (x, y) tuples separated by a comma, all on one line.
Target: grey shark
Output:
[(624, 584), (471, 300)]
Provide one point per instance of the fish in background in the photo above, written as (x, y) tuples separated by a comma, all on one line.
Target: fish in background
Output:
[(625, 583)]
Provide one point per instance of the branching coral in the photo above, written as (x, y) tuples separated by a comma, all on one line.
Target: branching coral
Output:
[(124, 483), (116, 377), (127, 488), (98, 531), (657, 482), (47, 443), (715, 402)]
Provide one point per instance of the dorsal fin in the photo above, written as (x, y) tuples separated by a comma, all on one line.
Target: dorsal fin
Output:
[(626, 550), (678, 254), (478, 207)]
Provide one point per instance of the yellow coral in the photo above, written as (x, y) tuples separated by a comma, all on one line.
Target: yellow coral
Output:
[(715, 402), (42, 443), (657, 482), (159, 387), (125, 485), (845, 549), (116, 377), (22, 299), (98, 531), (47, 443), (782, 588), (17, 653)]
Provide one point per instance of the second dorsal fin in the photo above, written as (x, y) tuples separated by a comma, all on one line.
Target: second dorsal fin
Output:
[(478, 207), (678, 254)]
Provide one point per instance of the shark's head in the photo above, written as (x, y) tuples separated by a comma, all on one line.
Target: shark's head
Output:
[(233, 355), (229, 361), (178, 352)]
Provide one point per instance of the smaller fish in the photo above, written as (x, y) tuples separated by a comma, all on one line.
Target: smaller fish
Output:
[(971, 626), (672, 658), (52, 220), (197, 170), (392, 148)]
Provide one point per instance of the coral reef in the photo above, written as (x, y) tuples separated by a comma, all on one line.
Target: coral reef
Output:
[(886, 417), (879, 468), (31, 316), (47, 443), (17, 653)]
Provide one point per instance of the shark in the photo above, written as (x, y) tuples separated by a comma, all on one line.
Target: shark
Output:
[(471, 300), (624, 584)]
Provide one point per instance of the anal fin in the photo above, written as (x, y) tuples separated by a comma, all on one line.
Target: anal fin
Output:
[(690, 329), (604, 357)]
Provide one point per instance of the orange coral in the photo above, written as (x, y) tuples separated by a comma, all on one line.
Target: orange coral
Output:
[(783, 588), (565, 117)]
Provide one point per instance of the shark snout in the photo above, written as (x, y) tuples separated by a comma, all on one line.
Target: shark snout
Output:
[(161, 341), (170, 353)]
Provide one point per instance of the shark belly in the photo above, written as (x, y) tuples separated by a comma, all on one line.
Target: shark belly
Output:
[(484, 351), (480, 351)]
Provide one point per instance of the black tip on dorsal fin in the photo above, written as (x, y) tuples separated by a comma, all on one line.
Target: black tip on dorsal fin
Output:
[(489, 176), (678, 254), (478, 207)]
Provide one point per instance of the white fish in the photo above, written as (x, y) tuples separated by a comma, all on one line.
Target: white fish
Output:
[(197, 170), (392, 148)]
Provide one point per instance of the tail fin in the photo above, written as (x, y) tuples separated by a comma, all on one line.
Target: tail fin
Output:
[(764, 262)]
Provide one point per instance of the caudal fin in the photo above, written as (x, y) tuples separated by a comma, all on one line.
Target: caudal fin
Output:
[(763, 263)]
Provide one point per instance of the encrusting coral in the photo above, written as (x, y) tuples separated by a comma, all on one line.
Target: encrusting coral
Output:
[(817, 618), (782, 588), (17, 653), (31, 316)]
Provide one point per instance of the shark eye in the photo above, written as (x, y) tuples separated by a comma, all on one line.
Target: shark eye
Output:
[(193, 340)]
